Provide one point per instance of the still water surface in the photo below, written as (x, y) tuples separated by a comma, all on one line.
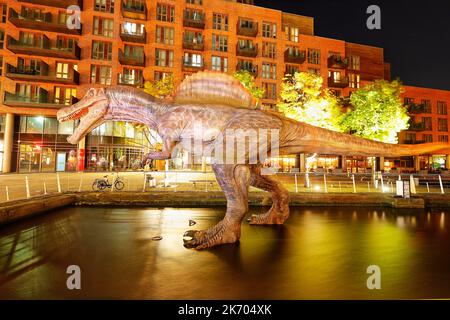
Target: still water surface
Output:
[(320, 253)]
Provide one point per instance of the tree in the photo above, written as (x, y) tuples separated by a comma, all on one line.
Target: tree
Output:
[(248, 81), (160, 88), (377, 112), (304, 99)]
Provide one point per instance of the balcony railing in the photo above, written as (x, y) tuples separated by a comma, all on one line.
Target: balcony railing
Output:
[(136, 11), (41, 100), (132, 60), (294, 56), (416, 126), (44, 22), (56, 3), (338, 83), (337, 62), (129, 80), (197, 21), (415, 108), (41, 74), (137, 37), (193, 45), (43, 48), (193, 66), (414, 141), (247, 30), (247, 51), (250, 68)]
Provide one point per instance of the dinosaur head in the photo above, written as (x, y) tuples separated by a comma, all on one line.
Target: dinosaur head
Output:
[(91, 110)]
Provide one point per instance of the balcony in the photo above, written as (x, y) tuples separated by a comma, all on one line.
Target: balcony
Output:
[(136, 37), (247, 51), (42, 48), (129, 80), (338, 83), (414, 141), (194, 21), (246, 67), (42, 100), (44, 22), (56, 3), (136, 11), (41, 74), (247, 30), (294, 56), (337, 62), (414, 108), (193, 66), (417, 126), (132, 60), (193, 45)]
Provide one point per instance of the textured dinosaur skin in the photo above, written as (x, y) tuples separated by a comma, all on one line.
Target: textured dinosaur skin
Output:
[(175, 122)]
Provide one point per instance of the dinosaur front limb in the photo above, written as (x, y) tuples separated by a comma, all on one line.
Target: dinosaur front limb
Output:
[(234, 181), (279, 212), (165, 153)]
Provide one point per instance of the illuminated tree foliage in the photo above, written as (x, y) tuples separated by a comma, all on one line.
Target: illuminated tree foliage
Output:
[(304, 99), (377, 112), (160, 88), (248, 81)]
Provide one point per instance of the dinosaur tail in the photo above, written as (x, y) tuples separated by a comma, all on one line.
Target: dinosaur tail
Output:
[(300, 137)]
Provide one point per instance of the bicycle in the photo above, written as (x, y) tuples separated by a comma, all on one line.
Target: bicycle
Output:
[(102, 184)]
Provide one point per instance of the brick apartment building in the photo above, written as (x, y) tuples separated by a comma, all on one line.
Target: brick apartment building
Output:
[(45, 65)]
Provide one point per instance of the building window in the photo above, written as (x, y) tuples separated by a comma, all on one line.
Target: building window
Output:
[(197, 2), (104, 6), (408, 101), (219, 43), (245, 44), (64, 95), (269, 50), (442, 108), (443, 138), (164, 35), (193, 37), (133, 51), (336, 75), (159, 75), (3, 8), (62, 70), (1, 66), (269, 30), (163, 58), (247, 65), (101, 74), (427, 138), (426, 106), (291, 69), (165, 12), (220, 21), (65, 43), (313, 56), (427, 124), (269, 71), (410, 137), (354, 63), (101, 50), (2, 39), (314, 71), (193, 59), (354, 80), (270, 90), (133, 28), (442, 125), (103, 27), (292, 33), (219, 63)]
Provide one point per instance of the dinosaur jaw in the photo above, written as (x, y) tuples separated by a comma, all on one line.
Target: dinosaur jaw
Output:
[(91, 114)]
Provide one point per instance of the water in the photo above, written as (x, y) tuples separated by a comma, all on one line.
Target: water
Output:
[(320, 253)]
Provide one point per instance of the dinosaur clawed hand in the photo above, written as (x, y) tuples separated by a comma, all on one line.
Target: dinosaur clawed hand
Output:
[(221, 233)]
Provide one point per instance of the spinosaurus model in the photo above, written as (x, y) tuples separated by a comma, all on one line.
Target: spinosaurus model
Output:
[(219, 102)]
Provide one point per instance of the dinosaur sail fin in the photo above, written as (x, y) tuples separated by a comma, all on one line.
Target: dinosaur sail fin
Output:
[(213, 88)]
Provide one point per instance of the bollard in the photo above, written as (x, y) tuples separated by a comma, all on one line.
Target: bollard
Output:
[(145, 182), (45, 189), (428, 188), (368, 186), (81, 182), (440, 183), (296, 186), (354, 184), (325, 183), (382, 183), (27, 185), (412, 184), (7, 193), (59, 182)]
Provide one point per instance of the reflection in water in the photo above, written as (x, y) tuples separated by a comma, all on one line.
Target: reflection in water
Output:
[(319, 253)]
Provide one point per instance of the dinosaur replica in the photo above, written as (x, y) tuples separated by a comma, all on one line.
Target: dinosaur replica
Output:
[(219, 102)]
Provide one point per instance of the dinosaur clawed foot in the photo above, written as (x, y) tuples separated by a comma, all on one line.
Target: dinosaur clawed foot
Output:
[(221, 233), (270, 217)]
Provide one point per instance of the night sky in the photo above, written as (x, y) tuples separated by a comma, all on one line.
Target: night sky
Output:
[(414, 34)]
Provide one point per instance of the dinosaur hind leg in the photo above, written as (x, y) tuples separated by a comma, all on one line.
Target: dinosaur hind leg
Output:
[(234, 181), (279, 212)]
